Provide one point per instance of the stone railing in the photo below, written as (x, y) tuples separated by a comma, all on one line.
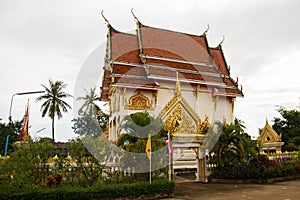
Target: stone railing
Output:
[(283, 155)]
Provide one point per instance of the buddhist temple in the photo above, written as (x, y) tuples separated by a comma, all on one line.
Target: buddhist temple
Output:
[(173, 75), (269, 140)]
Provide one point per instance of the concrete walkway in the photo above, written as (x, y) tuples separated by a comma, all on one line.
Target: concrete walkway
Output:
[(288, 190)]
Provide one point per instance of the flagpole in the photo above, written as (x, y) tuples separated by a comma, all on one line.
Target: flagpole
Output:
[(149, 154), (169, 147), (150, 159)]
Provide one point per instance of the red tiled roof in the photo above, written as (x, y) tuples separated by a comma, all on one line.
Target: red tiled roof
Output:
[(219, 60), (125, 47), (136, 83), (163, 53), (105, 85), (175, 45), (129, 70), (233, 92)]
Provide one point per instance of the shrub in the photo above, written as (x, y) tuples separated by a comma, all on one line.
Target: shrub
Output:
[(104, 191), (258, 168), (270, 172)]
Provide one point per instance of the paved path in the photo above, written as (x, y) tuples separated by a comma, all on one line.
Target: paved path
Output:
[(288, 190)]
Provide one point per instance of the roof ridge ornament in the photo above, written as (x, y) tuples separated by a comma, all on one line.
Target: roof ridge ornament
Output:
[(223, 39), (135, 17), (105, 19), (205, 32)]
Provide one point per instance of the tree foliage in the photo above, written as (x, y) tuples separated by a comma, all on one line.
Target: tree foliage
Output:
[(289, 125), (53, 103), (234, 145), (140, 124), (91, 120), (134, 129), (13, 129)]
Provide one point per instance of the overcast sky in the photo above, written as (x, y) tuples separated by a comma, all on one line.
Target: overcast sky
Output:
[(43, 39)]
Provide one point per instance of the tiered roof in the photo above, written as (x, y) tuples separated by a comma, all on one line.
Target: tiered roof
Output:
[(153, 55)]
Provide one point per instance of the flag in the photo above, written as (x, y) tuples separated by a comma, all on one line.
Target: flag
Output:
[(24, 131), (148, 147), (169, 147)]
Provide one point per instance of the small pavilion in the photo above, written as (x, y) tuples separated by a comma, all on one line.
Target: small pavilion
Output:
[(270, 140)]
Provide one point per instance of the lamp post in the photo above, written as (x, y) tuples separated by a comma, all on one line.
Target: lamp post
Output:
[(20, 93), (9, 117), (38, 132), (6, 145)]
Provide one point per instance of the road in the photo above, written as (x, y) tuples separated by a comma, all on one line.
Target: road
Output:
[(288, 190)]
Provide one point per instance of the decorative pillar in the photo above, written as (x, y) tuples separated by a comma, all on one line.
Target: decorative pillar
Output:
[(201, 166)]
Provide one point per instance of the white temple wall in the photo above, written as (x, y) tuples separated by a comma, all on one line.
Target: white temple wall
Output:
[(202, 103)]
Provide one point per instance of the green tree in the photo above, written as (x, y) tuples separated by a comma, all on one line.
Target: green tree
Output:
[(53, 103), (135, 129), (91, 120), (89, 102), (140, 125), (13, 129), (289, 125), (234, 145)]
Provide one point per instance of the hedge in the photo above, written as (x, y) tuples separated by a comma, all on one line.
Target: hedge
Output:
[(100, 192)]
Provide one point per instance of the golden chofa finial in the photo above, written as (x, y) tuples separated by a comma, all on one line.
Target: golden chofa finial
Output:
[(205, 32), (135, 17), (105, 19), (223, 39)]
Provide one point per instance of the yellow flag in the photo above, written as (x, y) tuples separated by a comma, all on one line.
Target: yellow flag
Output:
[(148, 147)]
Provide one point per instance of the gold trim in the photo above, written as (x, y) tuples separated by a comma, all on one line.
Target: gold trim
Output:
[(173, 104), (269, 138), (154, 95), (232, 105), (177, 89), (138, 102), (205, 125), (196, 91), (224, 121), (215, 100), (268, 131), (111, 90)]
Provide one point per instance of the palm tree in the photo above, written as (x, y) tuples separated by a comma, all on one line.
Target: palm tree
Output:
[(91, 120), (234, 143), (89, 106), (53, 103)]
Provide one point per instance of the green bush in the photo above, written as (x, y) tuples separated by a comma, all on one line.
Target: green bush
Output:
[(258, 168), (288, 170), (270, 172), (162, 186)]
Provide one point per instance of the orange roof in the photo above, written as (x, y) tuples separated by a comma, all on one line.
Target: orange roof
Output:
[(105, 85), (154, 55), (124, 47), (174, 45), (129, 70), (219, 60)]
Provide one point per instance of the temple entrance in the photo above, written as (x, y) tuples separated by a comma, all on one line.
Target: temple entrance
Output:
[(185, 126)]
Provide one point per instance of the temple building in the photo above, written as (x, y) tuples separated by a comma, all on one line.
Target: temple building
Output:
[(173, 75), (269, 140)]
